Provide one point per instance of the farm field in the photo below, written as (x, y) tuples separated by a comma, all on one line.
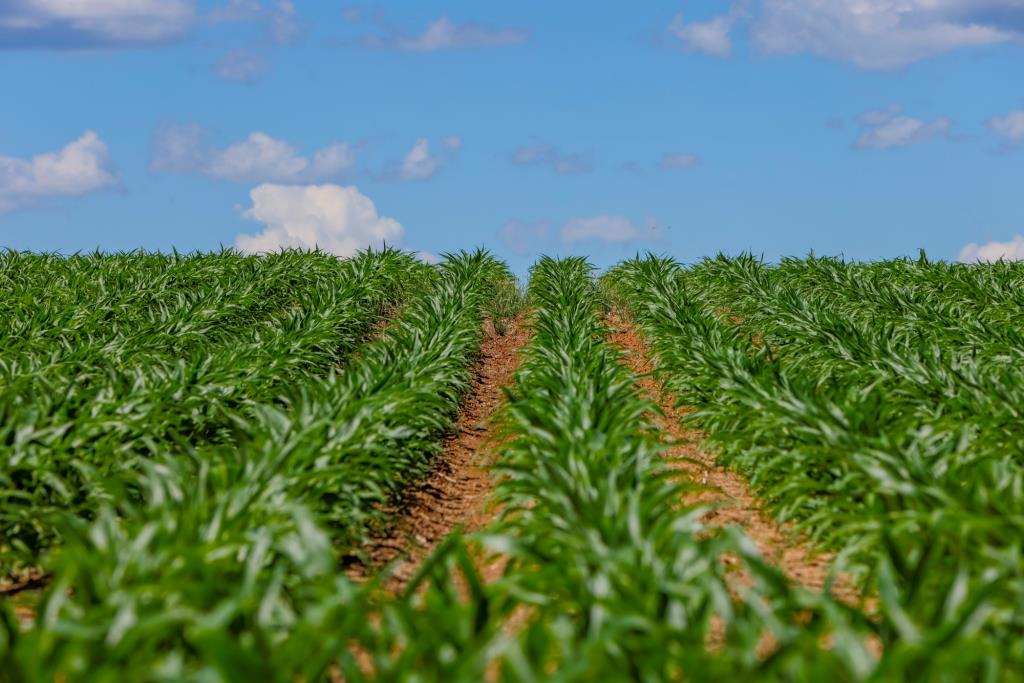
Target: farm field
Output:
[(216, 467)]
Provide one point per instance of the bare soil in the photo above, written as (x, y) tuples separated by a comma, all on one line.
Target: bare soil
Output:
[(22, 592), (456, 493), (727, 491)]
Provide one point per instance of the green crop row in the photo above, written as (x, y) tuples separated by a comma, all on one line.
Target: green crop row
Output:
[(879, 406), (142, 367), (222, 562), (615, 579)]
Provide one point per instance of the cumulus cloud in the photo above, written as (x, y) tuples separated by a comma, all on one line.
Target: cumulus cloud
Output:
[(605, 228), (549, 155), (241, 66), (993, 251), (884, 34), (523, 238), (1010, 127), (80, 24), (94, 24), (444, 34), (336, 219), (81, 167), (419, 163), (428, 257), (709, 37), (889, 128), (673, 161), (258, 158)]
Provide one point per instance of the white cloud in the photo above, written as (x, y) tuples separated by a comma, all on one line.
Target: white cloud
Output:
[(94, 24), (354, 15), (333, 160), (452, 142), (605, 228), (549, 155), (709, 37), (889, 128), (279, 16), (242, 66), (81, 167), (68, 24), (994, 251), (336, 219), (572, 164), (531, 154), (284, 25), (878, 117), (428, 257), (1010, 126), (884, 34), (673, 161), (444, 34), (419, 163), (523, 238), (258, 158)]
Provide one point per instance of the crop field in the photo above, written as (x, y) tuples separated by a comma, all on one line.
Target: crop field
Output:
[(730, 470)]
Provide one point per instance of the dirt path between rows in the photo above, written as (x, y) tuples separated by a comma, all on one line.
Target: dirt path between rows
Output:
[(456, 492), (728, 491), (22, 592)]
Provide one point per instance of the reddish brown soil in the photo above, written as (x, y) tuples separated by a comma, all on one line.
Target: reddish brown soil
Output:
[(22, 592), (728, 492), (30, 579), (456, 492)]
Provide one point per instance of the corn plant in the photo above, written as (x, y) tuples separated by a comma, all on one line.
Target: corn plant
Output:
[(219, 558), (878, 406), (215, 562), (140, 366)]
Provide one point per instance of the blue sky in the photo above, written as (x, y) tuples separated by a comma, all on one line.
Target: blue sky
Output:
[(867, 128)]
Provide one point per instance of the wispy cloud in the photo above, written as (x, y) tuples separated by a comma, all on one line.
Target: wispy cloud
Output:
[(603, 228), (452, 142), (79, 168), (543, 154), (257, 159), (711, 37), (419, 163), (523, 238), (882, 34), (889, 128), (422, 163), (1009, 127), (241, 66), (445, 34), (279, 16), (670, 162)]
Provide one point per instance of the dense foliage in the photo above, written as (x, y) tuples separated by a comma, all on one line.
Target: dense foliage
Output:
[(199, 551), (198, 532), (880, 405), (111, 360), (620, 582)]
